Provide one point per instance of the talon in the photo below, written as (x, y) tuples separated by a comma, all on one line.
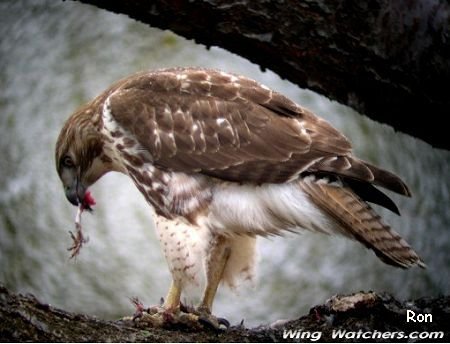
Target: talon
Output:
[(182, 315), (136, 316), (224, 322), (207, 322), (213, 323), (154, 309), (187, 309), (184, 308)]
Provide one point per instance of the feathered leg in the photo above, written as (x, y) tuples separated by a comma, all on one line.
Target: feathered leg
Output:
[(170, 312)]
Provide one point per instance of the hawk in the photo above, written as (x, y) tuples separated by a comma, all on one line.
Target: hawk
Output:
[(222, 160)]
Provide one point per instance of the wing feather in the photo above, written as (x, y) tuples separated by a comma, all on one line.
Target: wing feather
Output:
[(222, 125), (226, 126)]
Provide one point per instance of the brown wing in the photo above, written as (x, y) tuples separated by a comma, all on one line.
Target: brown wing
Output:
[(230, 127)]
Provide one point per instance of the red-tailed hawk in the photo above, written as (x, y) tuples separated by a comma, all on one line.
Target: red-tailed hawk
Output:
[(222, 160)]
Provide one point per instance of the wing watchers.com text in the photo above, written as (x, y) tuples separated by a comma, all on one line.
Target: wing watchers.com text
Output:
[(314, 336)]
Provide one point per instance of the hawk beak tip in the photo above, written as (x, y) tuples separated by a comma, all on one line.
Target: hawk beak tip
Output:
[(72, 197)]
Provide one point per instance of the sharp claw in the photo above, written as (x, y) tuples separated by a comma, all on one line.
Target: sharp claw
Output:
[(159, 316), (183, 308), (207, 323), (224, 322), (212, 324)]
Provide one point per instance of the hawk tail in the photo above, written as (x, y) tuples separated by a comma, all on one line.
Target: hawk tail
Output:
[(357, 220)]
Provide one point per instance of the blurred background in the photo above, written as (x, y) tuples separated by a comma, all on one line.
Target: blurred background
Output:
[(54, 56)]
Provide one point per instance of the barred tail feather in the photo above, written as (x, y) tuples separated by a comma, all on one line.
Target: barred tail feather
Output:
[(355, 218)]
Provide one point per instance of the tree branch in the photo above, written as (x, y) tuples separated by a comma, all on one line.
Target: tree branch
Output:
[(24, 318), (388, 60)]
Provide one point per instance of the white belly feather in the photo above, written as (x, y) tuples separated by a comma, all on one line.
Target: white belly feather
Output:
[(239, 212), (185, 249), (269, 209)]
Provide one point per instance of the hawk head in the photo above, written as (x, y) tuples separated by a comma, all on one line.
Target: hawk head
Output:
[(79, 156)]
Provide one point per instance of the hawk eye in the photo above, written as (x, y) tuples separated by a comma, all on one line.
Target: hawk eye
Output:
[(67, 162)]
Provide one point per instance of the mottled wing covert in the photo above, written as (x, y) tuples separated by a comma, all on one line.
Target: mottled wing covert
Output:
[(222, 125)]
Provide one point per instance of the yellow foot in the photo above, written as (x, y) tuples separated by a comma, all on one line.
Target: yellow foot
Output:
[(206, 318), (165, 318), (186, 318)]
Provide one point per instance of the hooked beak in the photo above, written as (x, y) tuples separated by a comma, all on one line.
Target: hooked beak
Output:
[(75, 194)]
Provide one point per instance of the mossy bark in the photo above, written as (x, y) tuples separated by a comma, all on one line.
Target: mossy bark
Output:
[(24, 318)]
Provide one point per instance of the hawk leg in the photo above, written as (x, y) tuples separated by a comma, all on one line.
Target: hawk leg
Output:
[(215, 265), (171, 313), (216, 261), (172, 301), (168, 314)]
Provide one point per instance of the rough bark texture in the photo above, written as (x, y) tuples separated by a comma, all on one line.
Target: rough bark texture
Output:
[(24, 318), (387, 59)]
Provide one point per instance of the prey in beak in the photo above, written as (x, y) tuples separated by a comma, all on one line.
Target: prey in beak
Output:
[(78, 238), (78, 195)]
